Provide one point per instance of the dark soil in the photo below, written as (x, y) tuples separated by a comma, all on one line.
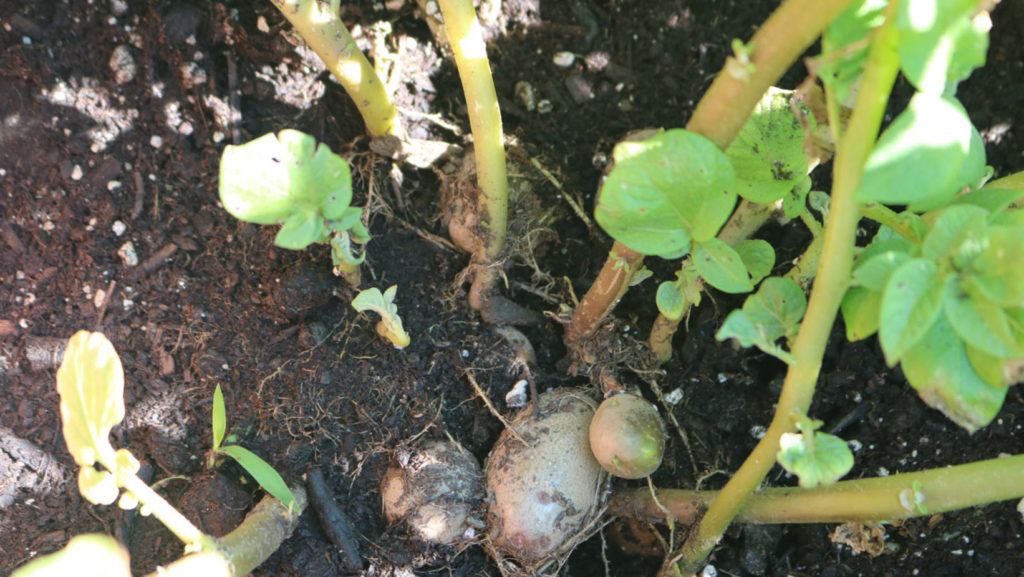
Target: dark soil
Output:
[(87, 149)]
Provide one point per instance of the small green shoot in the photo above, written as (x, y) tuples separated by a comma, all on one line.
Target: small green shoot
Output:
[(260, 470), (817, 458), (773, 312), (390, 325), (288, 179)]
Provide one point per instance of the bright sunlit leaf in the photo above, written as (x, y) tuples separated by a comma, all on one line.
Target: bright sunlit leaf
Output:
[(90, 381), (91, 555)]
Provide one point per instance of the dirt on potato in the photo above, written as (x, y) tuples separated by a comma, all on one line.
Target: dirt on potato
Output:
[(113, 115)]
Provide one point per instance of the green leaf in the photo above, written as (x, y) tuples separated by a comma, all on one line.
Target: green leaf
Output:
[(816, 458), (919, 156), (768, 153), (758, 257), (773, 312), (994, 200), (998, 270), (981, 323), (92, 555), (874, 271), (844, 47), (939, 369), (301, 229), (911, 303), (989, 368), (940, 42), (220, 420), (862, 309), (953, 226), (269, 179), (260, 470), (90, 382), (722, 267), (665, 192), (670, 300)]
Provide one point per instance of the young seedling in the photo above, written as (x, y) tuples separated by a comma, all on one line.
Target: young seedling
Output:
[(260, 470), (288, 179), (319, 24), (91, 386), (390, 325)]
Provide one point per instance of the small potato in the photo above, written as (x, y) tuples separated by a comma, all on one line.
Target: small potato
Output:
[(436, 493), (546, 494), (627, 436)]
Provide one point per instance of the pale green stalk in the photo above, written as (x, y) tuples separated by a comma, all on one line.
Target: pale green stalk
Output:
[(889, 498), (467, 42), (320, 26), (830, 284)]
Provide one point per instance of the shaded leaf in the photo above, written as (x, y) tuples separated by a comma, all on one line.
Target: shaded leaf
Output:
[(911, 303), (260, 470), (862, 309), (722, 267), (758, 257)]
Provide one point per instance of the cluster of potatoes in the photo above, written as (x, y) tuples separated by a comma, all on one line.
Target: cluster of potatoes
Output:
[(544, 484)]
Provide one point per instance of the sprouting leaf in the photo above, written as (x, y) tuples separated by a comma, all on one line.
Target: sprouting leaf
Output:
[(816, 458), (670, 300), (844, 45), (287, 178), (768, 153), (722, 267), (98, 487), (919, 156), (758, 257), (911, 303), (941, 42), (939, 369), (390, 325), (219, 419), (666, 191), (92, 555), (346, 263), (90, 381), (260, 470), (773, 312)]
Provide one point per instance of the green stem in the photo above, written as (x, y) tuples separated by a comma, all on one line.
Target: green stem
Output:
[(319, 25), (163, 511), (830, 284), (467, 42), (888, 217), (877, 499)]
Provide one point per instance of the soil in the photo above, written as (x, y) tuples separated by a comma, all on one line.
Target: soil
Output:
[(114, 117)]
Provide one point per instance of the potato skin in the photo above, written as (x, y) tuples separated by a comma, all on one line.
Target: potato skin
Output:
[(545, 494), (627, 436), (435, 494)]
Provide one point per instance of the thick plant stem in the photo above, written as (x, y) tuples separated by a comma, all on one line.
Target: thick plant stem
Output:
[(877, 499), (609, 286), (727, 104), (830, 284), (319, 25), (249, 545), (467, 42)]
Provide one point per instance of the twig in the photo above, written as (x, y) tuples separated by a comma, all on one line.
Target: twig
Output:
[(494, 411), (103, 305), (333, 521)]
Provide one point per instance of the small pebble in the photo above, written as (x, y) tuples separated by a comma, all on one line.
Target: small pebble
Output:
[(563, 59), (76, 172), (122, 64), (156, 141), (119, 227), (128, 254)]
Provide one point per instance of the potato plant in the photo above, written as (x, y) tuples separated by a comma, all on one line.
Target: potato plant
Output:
[(91, 386)]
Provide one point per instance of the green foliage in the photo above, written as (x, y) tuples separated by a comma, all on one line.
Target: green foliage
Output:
[(287, 179), (844, 46), (390, 325), (666, 192), (941, 42), (265, 475), (768, 153), (773, 312), (92, 555), (722, 267), (816, 458)]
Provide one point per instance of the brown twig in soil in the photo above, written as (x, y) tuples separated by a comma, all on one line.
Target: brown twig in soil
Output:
[(333, 521), (158, 259), (103, 305), (494, 411), (140, 195)]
